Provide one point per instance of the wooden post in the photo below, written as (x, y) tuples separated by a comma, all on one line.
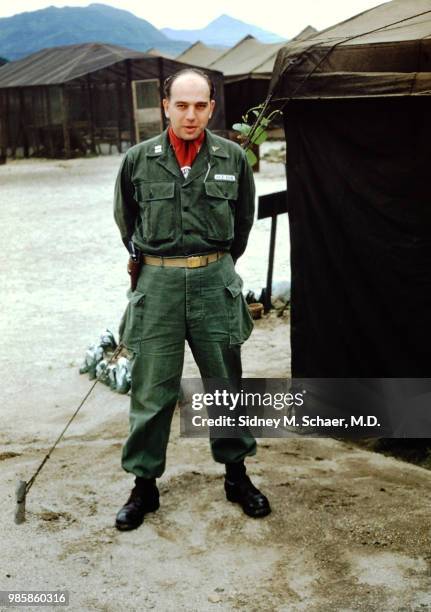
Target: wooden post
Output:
[(3, 123), (130, 100), (65, 121), (268, 292), (8, 120), (37, 104), (271, 205), (49, 117), (22, 122), (90, 114), (161, 92), (15, 134), (119, 100)]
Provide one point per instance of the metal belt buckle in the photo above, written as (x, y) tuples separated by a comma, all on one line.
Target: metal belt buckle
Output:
[(194, 262)]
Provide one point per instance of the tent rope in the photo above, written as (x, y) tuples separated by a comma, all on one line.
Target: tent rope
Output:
[(87, 395), (294, 62)]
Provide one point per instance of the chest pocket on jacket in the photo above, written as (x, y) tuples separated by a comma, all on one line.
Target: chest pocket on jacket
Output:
[(157, 205), (220, 213)]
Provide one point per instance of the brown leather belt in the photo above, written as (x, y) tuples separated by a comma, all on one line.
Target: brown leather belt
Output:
[(193, 261)]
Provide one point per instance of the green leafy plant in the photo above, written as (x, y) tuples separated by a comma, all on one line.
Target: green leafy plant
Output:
[(254, 129)]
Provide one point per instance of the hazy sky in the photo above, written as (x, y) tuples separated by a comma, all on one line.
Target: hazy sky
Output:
[(283, 17)]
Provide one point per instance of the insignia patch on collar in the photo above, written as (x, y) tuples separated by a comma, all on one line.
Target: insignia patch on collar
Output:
[(224, 177), (157, 148), (214, 148)]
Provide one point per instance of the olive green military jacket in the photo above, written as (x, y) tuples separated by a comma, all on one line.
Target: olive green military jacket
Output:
[(166, 214)]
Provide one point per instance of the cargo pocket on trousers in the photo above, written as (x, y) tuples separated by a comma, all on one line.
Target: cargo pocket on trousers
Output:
[(240, 321), (132, 322)]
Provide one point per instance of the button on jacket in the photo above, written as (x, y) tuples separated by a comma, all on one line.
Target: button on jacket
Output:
[(166, 214)]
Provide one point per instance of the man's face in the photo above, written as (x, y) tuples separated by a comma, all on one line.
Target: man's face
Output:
[(189, 108)]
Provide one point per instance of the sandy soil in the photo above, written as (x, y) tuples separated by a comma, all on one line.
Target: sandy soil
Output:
[(349, 528)]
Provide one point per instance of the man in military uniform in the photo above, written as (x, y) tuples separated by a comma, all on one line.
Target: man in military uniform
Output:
[(186, 200)]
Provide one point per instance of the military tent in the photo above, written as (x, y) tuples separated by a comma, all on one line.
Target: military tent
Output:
[(358, 131), (247, 69), (79, 97), (159, 53), (200, 54)]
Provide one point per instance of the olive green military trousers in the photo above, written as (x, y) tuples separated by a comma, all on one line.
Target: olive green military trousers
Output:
[(205, 307)]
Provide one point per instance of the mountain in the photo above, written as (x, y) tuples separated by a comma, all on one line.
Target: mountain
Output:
[(27, 32), (224, 31)]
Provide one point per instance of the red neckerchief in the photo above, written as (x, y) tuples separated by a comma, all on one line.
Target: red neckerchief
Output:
[(185, 150)]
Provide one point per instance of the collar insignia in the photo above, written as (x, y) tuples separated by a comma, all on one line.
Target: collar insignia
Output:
[(215, 148)]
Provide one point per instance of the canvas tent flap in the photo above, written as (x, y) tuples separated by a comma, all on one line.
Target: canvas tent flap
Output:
[(348, 84), (360, 219), (383, 52)]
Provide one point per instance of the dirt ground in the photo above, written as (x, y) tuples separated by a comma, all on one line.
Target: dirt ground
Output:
[(349, 528)]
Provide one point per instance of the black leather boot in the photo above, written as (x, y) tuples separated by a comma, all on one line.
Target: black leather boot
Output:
[(239, 489), (143, 498)]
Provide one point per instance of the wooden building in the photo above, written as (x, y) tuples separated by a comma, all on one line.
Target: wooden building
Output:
[(71, 100)]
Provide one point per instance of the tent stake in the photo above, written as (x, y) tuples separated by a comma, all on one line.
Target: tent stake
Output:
[(20, 493)]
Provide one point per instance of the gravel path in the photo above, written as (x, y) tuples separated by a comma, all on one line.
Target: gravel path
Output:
[(349, 529)]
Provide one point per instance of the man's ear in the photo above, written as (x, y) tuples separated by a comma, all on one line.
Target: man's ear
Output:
[(165, 102), (212, 104)]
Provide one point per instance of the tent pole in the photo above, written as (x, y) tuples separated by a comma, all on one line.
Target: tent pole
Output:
[(22, 121), (118, 85), (15, 134), (161, 93), (49, 117), (130, 101), (65, 121), (3, 127), (37, 105), (8, 138), (268, 291), (90, 114)]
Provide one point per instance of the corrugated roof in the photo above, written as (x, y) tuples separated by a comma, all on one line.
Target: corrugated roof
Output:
[(248, 57), (385, 51), (61, 64), (200, 54)]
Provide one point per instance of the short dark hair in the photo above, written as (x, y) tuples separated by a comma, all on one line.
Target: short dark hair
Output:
[(167, 85)]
